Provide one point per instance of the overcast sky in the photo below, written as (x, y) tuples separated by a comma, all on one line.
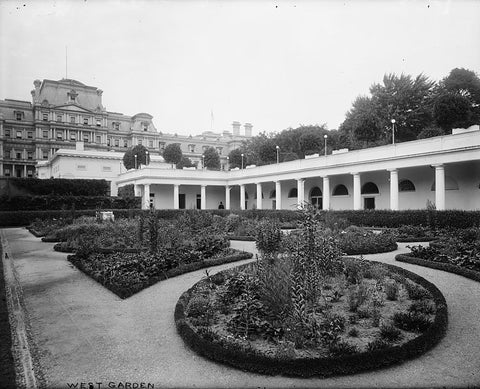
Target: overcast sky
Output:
[(276, 64)]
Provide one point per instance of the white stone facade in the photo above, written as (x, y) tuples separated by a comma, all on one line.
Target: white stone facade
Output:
[(444, 170)]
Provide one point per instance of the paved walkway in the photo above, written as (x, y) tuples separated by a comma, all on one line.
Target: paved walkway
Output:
[(84, 333)]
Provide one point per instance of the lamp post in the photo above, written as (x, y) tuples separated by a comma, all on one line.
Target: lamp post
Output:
[(325, 137), (393, 131), (242, 160), (203, 161), (228, 162), (136, 161), (278, 153)]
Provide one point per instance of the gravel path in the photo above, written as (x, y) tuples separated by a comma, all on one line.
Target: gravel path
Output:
[(84, 333)]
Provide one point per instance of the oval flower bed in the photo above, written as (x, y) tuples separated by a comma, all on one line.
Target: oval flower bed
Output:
[(258, 317)]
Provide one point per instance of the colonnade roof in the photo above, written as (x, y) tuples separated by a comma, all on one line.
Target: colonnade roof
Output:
[(432, 151)]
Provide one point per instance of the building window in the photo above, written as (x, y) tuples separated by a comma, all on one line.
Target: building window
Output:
[(98, 139), (370, 188), (86, 138), (30, 135), (29, 173), (18, 115), (116, 125), (219, 150), (108, 141), (72, 119), (107, 169), (19, 155), (340, 190), (45, 154), (73, 136), (145, 126), (99, 122), (150, 143), (191, 148), (7, 133), (273, 194), (81, 167), (29, 155), (117, 142), (7, 172), (293, 193), (45, 117), (139, 141), (59, 135), (85, 121), (19, 134), (125, 143), (59, 118), (161, 146), (45, 134), (406, 186)]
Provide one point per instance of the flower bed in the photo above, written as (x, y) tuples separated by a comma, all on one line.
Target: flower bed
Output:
[(413, 234), (345, 346), (128, 273), (303, 310)]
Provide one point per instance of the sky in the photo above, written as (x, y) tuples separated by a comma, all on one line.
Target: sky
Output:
[(275, 64)]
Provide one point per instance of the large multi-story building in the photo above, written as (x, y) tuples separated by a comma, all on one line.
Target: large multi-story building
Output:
[(64, 112)]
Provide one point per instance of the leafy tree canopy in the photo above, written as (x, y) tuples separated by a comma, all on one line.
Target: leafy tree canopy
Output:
[(211, 159), (129, 157), (172, 153), (185, 162)]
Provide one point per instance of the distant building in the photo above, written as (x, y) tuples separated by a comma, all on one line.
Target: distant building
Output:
[(64, 112)]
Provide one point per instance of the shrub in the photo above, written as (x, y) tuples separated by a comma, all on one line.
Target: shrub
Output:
[(377, 344), (390, 333), (416, 292), (357, 295), (268, 238), (411, 321), (341, 348), (197, 306), (376, 316), (391, 290), (423, 307)]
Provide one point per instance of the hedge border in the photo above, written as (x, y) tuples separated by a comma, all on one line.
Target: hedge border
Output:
[(447, 267), (323, 367), (123, 294)]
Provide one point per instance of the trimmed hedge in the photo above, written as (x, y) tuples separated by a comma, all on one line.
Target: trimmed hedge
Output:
[(24, 218), (448, 267), (323, 367), (33, 203), (187, 268), (60, 186)]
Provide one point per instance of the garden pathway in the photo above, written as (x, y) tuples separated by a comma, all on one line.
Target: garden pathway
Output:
[(85, 333)]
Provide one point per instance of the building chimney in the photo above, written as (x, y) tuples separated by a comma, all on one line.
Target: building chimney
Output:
[(236, 128), (248, 129)]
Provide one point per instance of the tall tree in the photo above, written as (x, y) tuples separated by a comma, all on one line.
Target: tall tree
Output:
[(129, 157), (235, 158), (172, 153), (211, 159)]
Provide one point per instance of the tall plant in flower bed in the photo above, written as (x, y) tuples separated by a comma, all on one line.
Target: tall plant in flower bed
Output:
[(306, 311)]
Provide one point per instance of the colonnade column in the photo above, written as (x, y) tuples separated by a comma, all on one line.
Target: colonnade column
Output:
[(357, 197), (394, 189), (146, 196), (176, 195), (278, 195), (440, 187), (326, 193), (203, 197), (300, 191), (242, 196), (137, 190), (227, 197), (259, 195)]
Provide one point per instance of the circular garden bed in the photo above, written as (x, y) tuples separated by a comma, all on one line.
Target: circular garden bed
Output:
[(365, 316)]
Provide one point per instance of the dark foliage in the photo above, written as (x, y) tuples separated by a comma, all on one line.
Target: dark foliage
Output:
[(60, 186)]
